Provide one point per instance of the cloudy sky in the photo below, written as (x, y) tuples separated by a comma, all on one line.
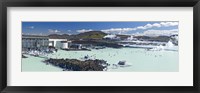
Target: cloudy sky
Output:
[(131, 28)]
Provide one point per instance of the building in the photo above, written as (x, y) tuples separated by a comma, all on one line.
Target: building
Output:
[(37, 42), (34, 42), (65, 44), (76, 46), (59, 43)]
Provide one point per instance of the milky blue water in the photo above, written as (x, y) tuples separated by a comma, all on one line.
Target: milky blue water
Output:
[(138, 59)]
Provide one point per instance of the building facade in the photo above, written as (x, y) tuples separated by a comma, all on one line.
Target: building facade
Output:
[(65, 44), (57, 43), (34, 42)]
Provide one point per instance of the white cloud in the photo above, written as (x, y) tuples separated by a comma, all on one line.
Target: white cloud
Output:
[(147, 26), (167, 24), (54, 31), (161, 24), (140, 27), (30, 27), (84, 30), (157, 25), (118, 30), (158, 32)]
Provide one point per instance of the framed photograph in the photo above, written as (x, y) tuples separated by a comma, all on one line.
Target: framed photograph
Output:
[(137, 46)]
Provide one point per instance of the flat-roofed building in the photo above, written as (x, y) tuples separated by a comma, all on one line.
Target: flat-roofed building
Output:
[(34, 42), (59, 41), (65, 44)]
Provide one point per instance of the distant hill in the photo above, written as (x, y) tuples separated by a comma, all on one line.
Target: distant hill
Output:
[(123, 37), (157, 38), (85, 35), (98, 35), (91, 35), (56, 36)]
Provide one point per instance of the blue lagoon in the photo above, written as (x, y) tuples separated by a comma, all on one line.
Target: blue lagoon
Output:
[(138, 59), (103, 46)]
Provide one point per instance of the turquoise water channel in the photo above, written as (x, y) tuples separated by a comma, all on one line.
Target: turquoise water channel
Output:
[(138, 59)]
